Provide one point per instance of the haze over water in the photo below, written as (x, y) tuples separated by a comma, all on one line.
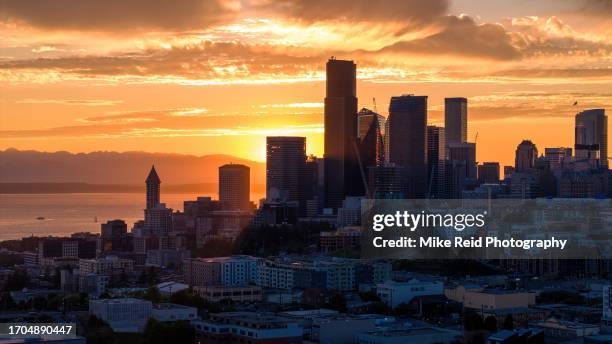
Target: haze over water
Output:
[(68, 213)]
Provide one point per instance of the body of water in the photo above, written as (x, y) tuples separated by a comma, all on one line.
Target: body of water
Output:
[(68, 213)]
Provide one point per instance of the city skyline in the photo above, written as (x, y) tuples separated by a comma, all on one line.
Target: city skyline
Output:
[(168, 83)]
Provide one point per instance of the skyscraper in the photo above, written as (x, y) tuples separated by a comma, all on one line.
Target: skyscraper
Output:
[(153, 188), (455, 120), (234, 187), (341, 171), (158, 218), (285, 164), (407, 140), (436, 156), (591, 136), (371, 145), (526, 154)]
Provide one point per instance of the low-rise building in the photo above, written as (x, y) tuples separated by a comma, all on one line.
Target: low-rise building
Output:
[(171, 287), (247, 327), (231, 271), (173, 312), (164, 258), (555, 328), (123, 315), (236, 294), (395, 293), (109, 265), (421, 335), (475, 297)]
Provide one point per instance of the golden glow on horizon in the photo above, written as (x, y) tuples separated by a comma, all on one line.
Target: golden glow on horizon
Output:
[(224, 83)]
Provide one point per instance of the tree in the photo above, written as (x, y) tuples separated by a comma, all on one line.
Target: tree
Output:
[(337, 302), (472, 321), (175, 332), (508, 322), (97, 331), (17, 281), (186, 298), (369, 296), (490, 324), (152, 294)]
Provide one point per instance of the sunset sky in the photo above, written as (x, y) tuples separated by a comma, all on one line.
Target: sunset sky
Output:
[(204, 77)]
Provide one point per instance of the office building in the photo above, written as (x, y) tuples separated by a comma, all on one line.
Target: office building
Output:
[(371, 147), (114, 236), (312, 184), (158, 219), (436, 161), (220, 224), (408, 141), (558, 157), (55, 247), (591, 136), (526, 155), (153, 188), (455, 120), (341, 172), (464, 152), (285, 165), (488, 173), (234, 187)]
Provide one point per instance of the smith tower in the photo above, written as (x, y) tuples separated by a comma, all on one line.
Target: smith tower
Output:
[(341, 169), (153, 182)]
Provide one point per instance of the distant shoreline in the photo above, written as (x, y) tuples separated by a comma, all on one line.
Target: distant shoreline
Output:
[(66, 188)]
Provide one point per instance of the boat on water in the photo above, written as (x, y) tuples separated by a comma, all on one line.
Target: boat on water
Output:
[(40, 218)]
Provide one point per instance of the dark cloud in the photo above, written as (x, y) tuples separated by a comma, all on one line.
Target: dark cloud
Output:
[(115, 15), (600, 8), (119, 15), (356, 10), (462, 36)]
